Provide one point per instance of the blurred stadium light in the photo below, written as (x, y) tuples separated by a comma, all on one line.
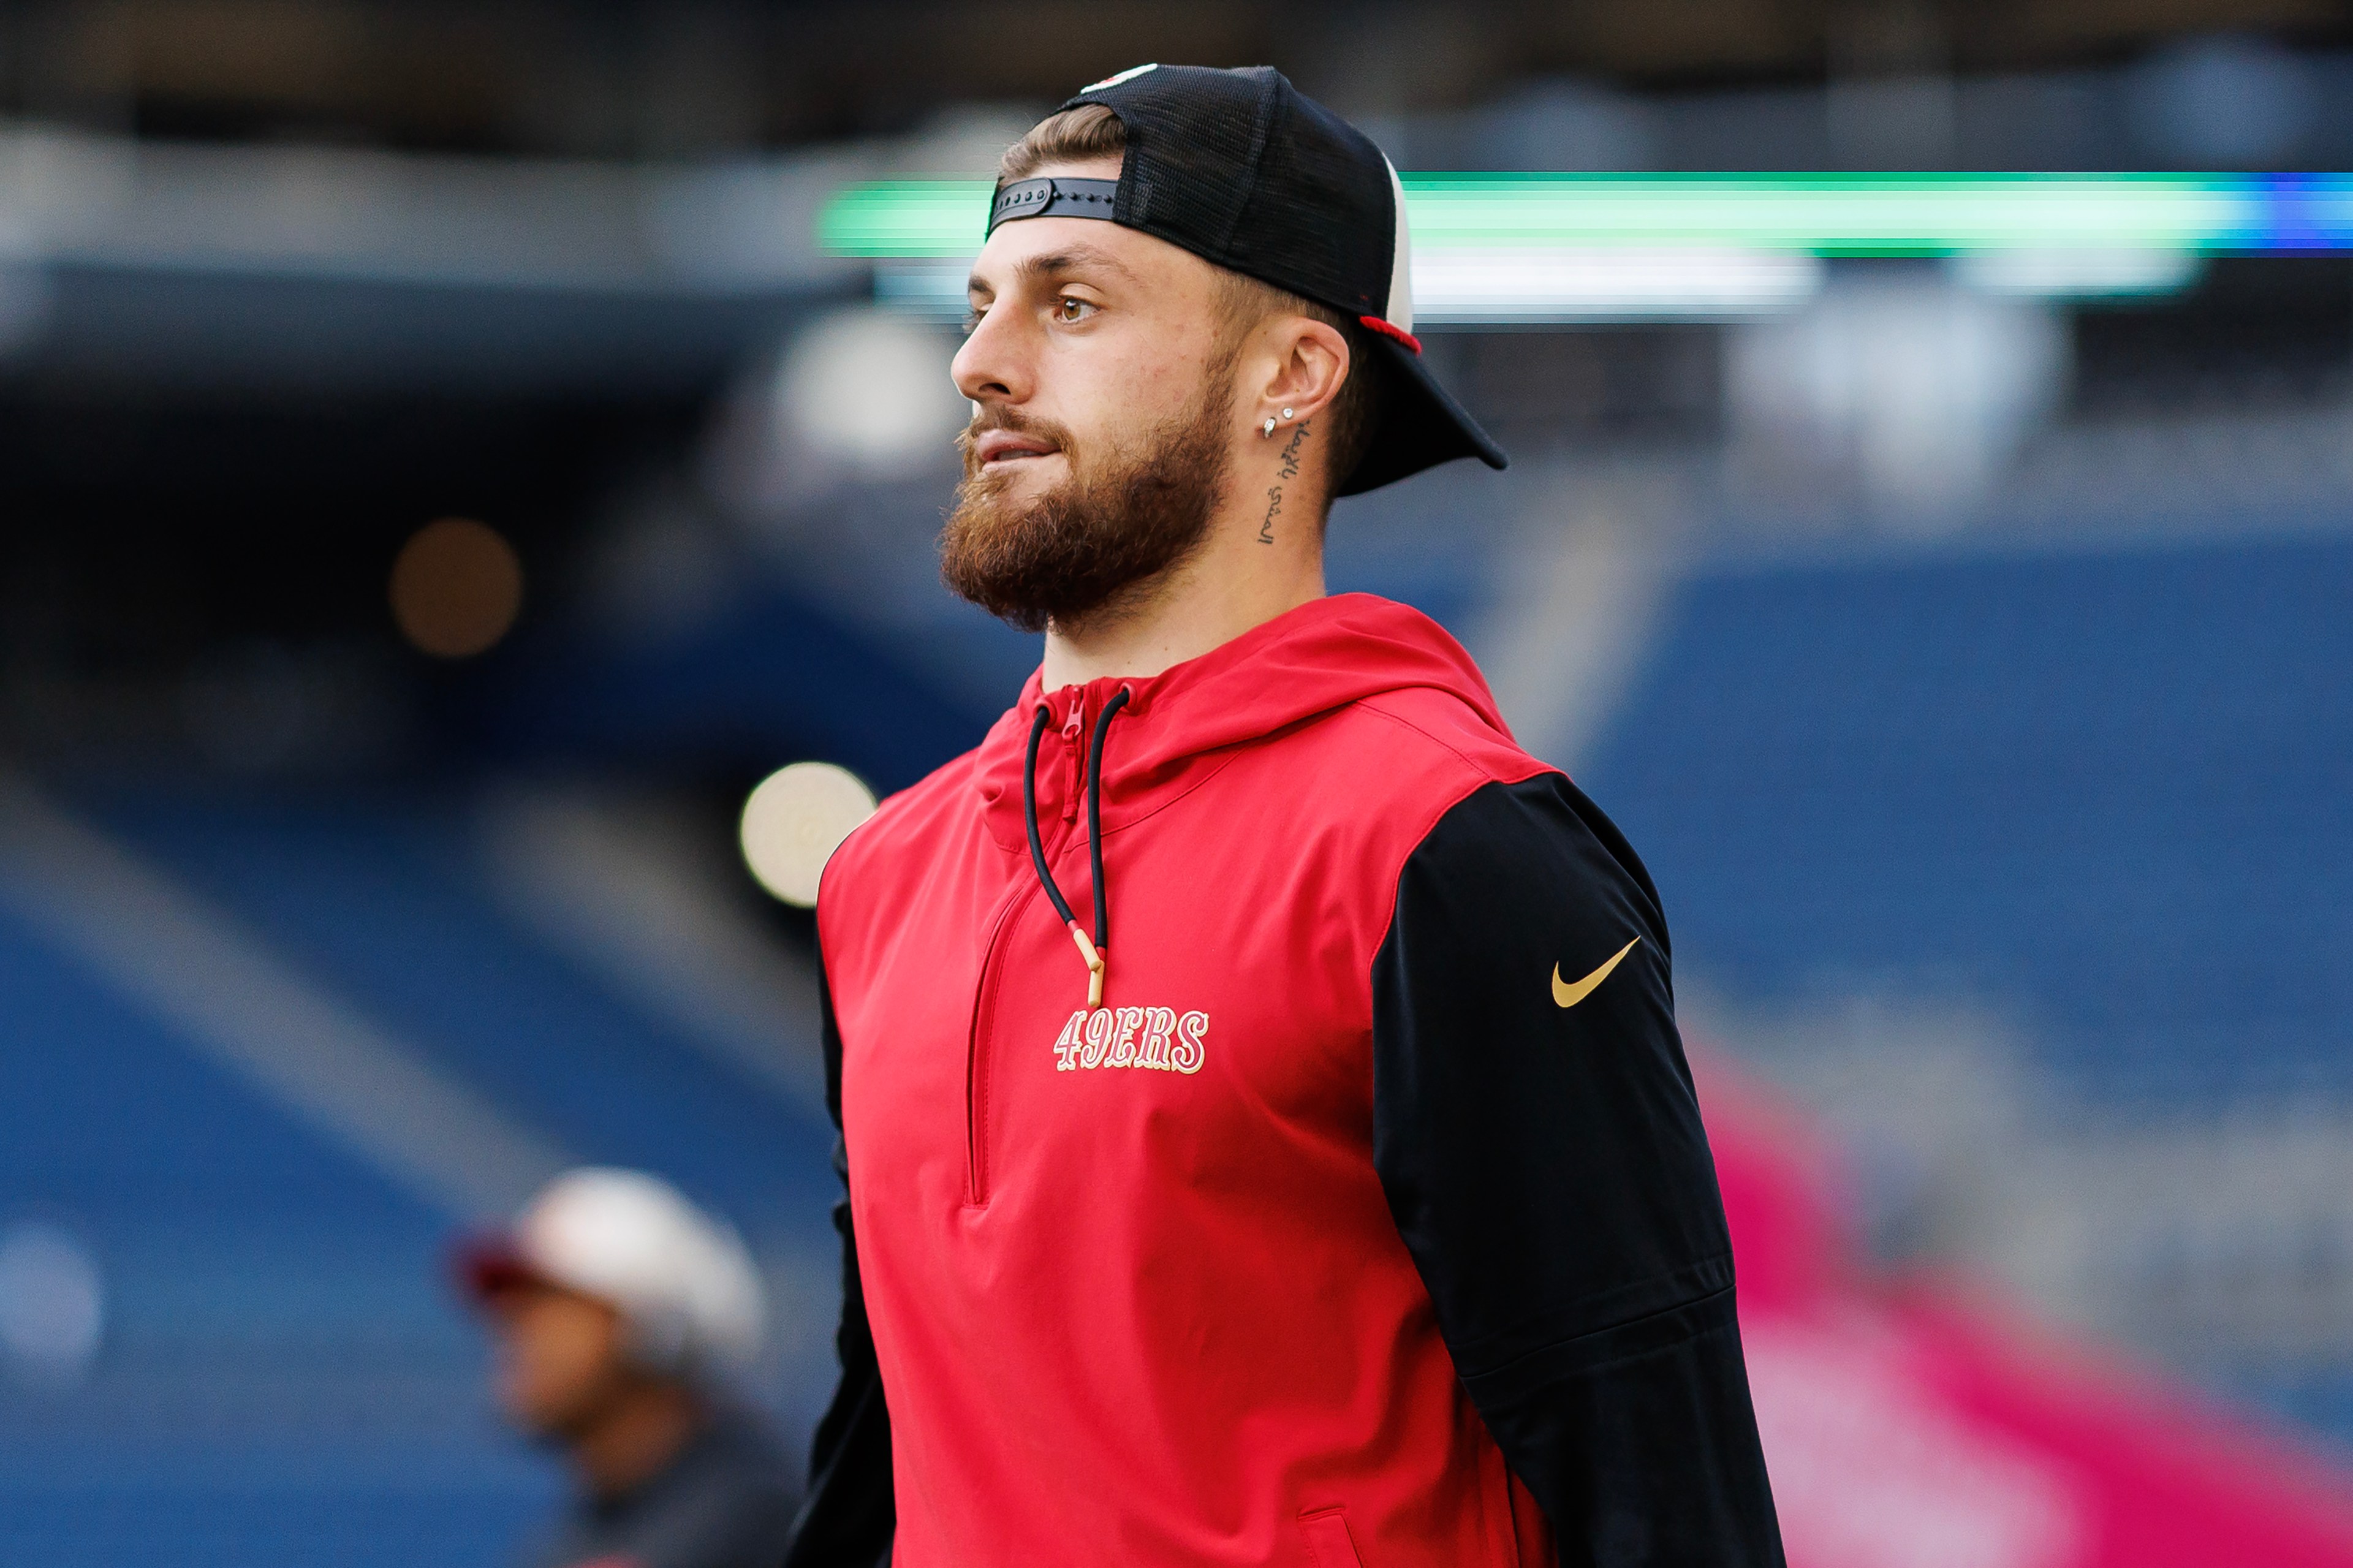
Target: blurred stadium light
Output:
[(1530, 285), (2076, 273), (456, 586), (1923, 389), (52, 1303), (863, 390), (794, 822)]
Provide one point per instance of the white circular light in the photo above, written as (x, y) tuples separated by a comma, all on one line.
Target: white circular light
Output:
[(794, 821), (869, 389), (52, 1303)]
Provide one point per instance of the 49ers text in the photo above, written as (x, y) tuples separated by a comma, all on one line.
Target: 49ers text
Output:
[(1133, 1038)]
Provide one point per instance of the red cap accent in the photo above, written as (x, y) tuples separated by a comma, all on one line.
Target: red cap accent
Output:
[(1389, 329), (489, 1266)]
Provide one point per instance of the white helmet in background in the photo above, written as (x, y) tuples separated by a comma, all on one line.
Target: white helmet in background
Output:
[(681, 1280)]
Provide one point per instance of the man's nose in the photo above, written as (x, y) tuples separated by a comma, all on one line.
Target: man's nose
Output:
[(990, 367)]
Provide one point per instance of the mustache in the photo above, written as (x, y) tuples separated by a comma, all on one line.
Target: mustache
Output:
[(997, 417)]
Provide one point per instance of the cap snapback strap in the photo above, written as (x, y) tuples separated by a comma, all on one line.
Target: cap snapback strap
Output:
[(1052, 198), (1048, 197)]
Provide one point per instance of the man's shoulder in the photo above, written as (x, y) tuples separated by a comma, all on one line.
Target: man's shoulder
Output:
[(1416, 739), (1377, 774), (908, 817)]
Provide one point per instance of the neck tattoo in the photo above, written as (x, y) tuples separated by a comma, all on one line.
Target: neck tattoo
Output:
[(1289, 470)]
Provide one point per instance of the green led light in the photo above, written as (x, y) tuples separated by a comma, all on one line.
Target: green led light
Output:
[(906, 218), (1828, 215)]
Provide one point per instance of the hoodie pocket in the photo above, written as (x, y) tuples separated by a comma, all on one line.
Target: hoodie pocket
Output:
[(1328, 1544)]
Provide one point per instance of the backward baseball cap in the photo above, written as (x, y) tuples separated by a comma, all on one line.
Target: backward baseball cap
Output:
[(1243, 170)]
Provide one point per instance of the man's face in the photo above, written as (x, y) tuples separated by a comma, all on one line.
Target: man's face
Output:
[(560, 1358), (1101, 364)]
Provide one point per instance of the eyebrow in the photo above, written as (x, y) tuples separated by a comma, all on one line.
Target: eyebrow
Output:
[(1071, 260)]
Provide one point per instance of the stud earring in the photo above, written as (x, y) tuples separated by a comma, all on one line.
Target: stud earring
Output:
[(1286, 414), (1269, 431)]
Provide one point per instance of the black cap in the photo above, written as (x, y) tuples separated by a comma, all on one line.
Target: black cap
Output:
[(1242, 169)]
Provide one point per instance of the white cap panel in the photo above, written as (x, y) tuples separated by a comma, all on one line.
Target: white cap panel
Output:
[(1400, 311)]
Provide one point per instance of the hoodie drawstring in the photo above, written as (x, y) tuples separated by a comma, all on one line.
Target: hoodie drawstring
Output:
[(1092, 950)]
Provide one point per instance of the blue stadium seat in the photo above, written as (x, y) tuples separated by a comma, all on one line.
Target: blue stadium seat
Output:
[(388, 901), (2105, 789), (286, 1378), (274, 1309)]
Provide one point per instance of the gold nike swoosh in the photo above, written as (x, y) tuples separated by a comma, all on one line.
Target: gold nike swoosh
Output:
[(1568, 995)]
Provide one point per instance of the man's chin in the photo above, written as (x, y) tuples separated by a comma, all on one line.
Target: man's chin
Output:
[(1036, 543), (553, 1427)]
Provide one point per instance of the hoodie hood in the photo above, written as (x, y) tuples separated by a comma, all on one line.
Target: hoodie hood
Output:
[(1176, 728)]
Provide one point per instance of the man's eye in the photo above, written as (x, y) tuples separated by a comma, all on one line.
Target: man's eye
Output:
[(1070, 308)]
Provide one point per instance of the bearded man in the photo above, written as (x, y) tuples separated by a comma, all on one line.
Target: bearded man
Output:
[(1352, 1206)]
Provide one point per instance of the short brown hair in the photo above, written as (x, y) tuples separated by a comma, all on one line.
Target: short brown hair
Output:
[(1091, 132), (1077, 135)]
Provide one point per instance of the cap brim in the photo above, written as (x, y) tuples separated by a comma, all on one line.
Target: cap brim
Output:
[(1420, 426), (489, 1266)]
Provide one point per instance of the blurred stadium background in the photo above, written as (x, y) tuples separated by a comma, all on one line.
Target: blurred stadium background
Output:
[(452, 453)]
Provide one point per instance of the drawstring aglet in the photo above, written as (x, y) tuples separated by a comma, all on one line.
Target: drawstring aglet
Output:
[(1093, 955)]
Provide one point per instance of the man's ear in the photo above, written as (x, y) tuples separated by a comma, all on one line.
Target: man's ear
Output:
[(1311, 362)]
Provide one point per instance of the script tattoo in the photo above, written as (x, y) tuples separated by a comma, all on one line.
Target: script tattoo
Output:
[(1290, 471)]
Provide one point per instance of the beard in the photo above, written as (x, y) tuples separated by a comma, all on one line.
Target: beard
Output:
[(1091, 548)]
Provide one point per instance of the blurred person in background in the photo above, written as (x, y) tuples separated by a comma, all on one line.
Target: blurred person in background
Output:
[(1353, 1208), (623, 1315)]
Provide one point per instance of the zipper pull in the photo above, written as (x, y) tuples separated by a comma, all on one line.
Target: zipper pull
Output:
[(1074, 730)]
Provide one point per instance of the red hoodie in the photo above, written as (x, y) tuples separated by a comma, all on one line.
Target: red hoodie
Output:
[(1339, 1233)]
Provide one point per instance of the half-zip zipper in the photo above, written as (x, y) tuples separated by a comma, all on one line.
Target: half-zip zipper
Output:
[(976, 1049), (1086, 761), (977, 1063)]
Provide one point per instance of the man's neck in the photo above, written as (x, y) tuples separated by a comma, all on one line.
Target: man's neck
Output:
[(1235, 583), (638, 1438)]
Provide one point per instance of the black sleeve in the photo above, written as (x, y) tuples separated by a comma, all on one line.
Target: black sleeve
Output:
[(1540, 1145), (848, 1520)]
